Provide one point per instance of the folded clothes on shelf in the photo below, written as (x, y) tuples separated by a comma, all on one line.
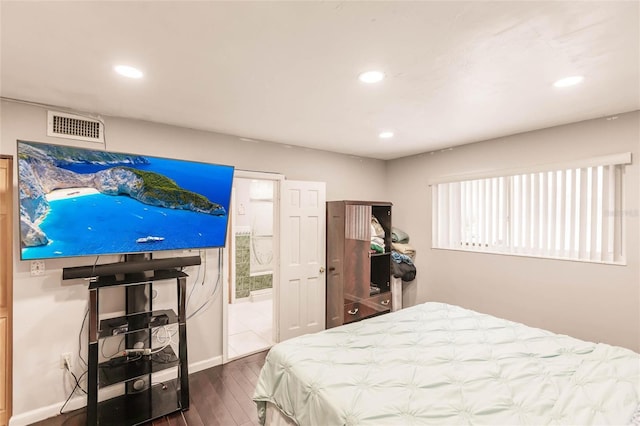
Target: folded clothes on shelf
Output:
[(376, 229), (399, 236), (404, 249), (400, 258)]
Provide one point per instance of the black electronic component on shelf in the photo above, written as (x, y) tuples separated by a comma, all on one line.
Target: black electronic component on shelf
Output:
[(142, 321)]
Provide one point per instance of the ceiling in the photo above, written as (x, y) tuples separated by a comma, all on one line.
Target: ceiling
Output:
[(456, 72)]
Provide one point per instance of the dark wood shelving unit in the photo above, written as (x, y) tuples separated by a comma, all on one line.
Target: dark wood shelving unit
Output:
[(358, 280)]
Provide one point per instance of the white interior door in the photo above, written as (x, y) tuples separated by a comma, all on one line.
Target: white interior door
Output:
[(301, 293)]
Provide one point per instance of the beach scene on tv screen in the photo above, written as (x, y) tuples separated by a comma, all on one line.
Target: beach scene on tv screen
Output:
[(80, 202)]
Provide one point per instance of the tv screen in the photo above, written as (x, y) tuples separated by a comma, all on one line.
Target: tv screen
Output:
[(82, 202)]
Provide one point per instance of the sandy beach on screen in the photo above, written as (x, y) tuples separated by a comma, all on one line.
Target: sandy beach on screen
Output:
[(63, 194)]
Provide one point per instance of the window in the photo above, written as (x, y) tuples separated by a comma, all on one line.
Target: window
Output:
[(567, 212)]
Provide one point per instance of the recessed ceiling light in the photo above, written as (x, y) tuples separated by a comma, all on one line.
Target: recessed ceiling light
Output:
[(371, 77), (128, 71), (569, 81), (385, 135)]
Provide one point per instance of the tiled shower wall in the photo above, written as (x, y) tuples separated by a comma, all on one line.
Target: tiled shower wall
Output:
[(245, 283)]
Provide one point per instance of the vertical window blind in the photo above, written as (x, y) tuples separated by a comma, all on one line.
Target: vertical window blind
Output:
[(572, 212)]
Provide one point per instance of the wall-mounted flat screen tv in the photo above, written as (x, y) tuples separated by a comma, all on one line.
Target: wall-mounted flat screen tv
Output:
[(83, 202)]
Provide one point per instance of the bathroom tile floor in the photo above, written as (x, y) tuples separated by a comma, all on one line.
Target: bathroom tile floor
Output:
[(249, 327)]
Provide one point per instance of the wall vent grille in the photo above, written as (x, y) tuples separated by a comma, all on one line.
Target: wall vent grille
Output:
[(69, 126)]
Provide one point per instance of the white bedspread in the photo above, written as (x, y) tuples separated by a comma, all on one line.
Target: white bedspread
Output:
[(444, 365)]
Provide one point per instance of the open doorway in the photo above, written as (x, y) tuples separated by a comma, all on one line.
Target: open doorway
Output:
[(250, 325)]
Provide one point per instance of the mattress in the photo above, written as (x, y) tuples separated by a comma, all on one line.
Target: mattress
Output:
[(441, 364)]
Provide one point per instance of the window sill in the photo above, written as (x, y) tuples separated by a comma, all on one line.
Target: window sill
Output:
[(533, 256)]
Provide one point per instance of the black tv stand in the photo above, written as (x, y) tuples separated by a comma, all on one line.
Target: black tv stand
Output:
[(143, 399)]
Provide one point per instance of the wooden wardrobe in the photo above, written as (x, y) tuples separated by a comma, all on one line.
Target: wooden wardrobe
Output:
[(358, 278)]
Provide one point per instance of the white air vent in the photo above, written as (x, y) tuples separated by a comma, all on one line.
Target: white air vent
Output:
[(69, 126)]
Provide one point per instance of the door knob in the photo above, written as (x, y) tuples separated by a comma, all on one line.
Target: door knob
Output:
[(322, 269)]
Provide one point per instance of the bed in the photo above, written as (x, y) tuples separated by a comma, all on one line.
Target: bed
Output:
[(444, 365)]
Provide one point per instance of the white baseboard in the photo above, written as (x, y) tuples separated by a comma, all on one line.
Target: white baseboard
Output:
[(260, 295), (42, 413), (33, 416), (203, 365)]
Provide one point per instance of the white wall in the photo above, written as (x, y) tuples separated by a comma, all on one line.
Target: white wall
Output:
[(590, 301), (48, 312), (593, 302)]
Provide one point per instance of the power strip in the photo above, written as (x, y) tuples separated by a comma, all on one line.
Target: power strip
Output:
[(141, 351)]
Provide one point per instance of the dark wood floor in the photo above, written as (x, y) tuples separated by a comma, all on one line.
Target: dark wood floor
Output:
[(218, 396)]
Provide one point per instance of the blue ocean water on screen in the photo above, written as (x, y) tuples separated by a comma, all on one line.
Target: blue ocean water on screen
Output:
[(106, 224)]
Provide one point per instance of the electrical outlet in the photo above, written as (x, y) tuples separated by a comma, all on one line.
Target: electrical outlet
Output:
[(37, 267), (65, 358)]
